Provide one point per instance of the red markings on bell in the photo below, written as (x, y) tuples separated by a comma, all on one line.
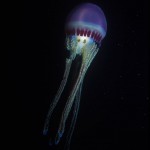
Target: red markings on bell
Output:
[(95, 37), (81, 32), (98, 37), (85, 32), (93, 34), (89, 33), (78, 31)]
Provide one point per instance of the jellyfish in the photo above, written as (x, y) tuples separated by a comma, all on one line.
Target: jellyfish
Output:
[(85, 29)]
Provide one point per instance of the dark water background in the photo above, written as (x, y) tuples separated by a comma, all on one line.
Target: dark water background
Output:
[(114, 105)]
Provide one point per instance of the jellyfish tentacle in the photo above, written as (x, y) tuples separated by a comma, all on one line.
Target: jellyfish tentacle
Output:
[(88, 55), (69, 105), (57, 97), (77, 104), (74, 118)]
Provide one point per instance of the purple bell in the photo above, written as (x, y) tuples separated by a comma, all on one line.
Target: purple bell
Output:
[(87, 20)]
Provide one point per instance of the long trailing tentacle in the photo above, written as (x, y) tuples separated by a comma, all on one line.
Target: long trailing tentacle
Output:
[(76, 110), (87, 59), (68, 107), (57, 97), (74, 118)]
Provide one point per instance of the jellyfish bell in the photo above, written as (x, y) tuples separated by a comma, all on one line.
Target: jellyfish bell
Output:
[(86, 23), (85, 29), (87, 17)]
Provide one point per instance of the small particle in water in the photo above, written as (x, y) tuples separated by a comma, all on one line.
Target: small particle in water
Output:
[(121, 76), (138, 74), (122, 98)]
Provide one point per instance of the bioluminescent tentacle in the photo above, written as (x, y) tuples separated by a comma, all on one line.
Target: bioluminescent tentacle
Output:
[(69, 105), (87, 57), (57, 97), (74, 118)]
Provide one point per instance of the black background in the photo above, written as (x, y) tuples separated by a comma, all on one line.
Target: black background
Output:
[(114, 105)]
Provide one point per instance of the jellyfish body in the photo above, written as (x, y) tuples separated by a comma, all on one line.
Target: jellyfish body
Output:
[(85, 29)]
